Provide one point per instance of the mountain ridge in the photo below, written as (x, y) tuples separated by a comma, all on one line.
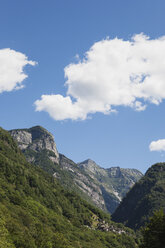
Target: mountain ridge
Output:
[(104, 187), (115, 180)]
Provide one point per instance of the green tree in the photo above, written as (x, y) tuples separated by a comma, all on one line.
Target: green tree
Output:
[(4, 236), (154, 232)]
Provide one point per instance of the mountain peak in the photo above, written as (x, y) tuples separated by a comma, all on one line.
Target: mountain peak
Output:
[(38, 132), (36, 139), (89, 166), (88, 161)]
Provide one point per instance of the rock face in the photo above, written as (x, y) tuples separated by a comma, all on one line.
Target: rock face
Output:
[(114, 182), (90, 190), (103, 187), (39, 148), (36, 139)]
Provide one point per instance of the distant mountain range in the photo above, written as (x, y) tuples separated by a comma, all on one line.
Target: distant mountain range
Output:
[(146, 196), (105, 188)]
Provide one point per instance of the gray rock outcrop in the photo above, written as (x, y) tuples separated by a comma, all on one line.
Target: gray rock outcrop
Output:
[(36, 139), (113, 182)]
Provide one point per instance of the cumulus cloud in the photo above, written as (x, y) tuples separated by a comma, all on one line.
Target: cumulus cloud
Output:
[(11, 69), (158, 145), (114, 72)]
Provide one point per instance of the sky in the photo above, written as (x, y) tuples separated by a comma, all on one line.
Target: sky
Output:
[(90, 72)]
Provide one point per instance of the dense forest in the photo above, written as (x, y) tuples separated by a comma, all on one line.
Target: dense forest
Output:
[(147, 196), (153, 235), (37, 212)]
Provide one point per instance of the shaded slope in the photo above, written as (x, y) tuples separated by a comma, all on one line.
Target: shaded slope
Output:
[(143, 199)]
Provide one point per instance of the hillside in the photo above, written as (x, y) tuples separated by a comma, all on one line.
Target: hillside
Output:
[(103, 187), (36, 212), (143, 199)]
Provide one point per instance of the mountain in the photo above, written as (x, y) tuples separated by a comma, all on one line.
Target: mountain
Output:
[(35, 140), (80, 182), (103, 187), (114, 182), (36, 212), (146, 196), (43, 153)]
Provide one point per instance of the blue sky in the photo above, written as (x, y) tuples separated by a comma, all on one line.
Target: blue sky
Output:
[(56, 34)]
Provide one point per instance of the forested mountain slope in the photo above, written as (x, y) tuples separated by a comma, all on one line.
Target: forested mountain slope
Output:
[(143, 199), (36, 212)]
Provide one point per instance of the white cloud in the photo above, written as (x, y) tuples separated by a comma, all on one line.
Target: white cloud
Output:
[(158, 145), (11, 69), (113, 73)]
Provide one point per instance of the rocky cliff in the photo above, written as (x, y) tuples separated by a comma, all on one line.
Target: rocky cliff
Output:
[(103, 187), (36, 139), (114, 182), (39, 148)]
